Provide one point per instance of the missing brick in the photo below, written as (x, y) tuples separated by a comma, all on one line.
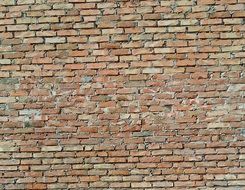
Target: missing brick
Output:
[(27, 124)]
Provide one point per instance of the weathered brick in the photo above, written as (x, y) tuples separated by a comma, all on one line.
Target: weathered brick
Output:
[(8, 2), (48, 19), (8, 168), (7, 99), (141, 185), (21, 2), (111, 178), (162, 184), (4, 75), (89, 178), (168, 23), (152, 70), (218, 125), (55, 40), (5, 61), (63, 6), (51, 148), (16, 27), (119, 184), (104, 166), (161, 152), (164, 50)]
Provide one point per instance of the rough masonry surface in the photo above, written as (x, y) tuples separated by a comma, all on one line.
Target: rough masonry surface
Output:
[(122, 94)]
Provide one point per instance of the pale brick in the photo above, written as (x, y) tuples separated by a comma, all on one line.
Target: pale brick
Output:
[(55, 40), (218, 125), (152, 70), (7, 99), (51, 148), (5, 61)]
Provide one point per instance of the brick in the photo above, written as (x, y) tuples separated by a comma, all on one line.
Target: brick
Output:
[(184, 184), (236, 87), (177, 29), (96, 65), (6, 22), (218, 125), (57, 186), (55, 40), (8, 2), (152, 70), (99, 184), (230, 62), (51, 148), (161, 152), (8, 168), (168, 23), (164, 50), (22, 2), (8, 148), (104, 166), (10, 68), (215, 157), (132, 178), (48, 20), (99, 38), (185, 63), (112, 31), (173, 70), (16, 27), (130, 17), (69, 179), (5, 61), (63, 6), (4, 74), (142, 184), (119, 184), (33, 40), (162, 184), (112, 178), (7, 99), (42, 47), (42, 60), (89, 178), (67, 33)]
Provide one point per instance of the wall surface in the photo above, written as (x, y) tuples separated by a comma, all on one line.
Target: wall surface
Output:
[(122, 94)]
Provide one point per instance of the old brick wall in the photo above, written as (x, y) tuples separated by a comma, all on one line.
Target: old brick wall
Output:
[(122, 94)]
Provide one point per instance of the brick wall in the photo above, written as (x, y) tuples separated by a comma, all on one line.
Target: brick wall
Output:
[(122, 94)]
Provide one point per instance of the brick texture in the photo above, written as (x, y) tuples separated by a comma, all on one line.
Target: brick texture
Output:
[(122, 94)]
